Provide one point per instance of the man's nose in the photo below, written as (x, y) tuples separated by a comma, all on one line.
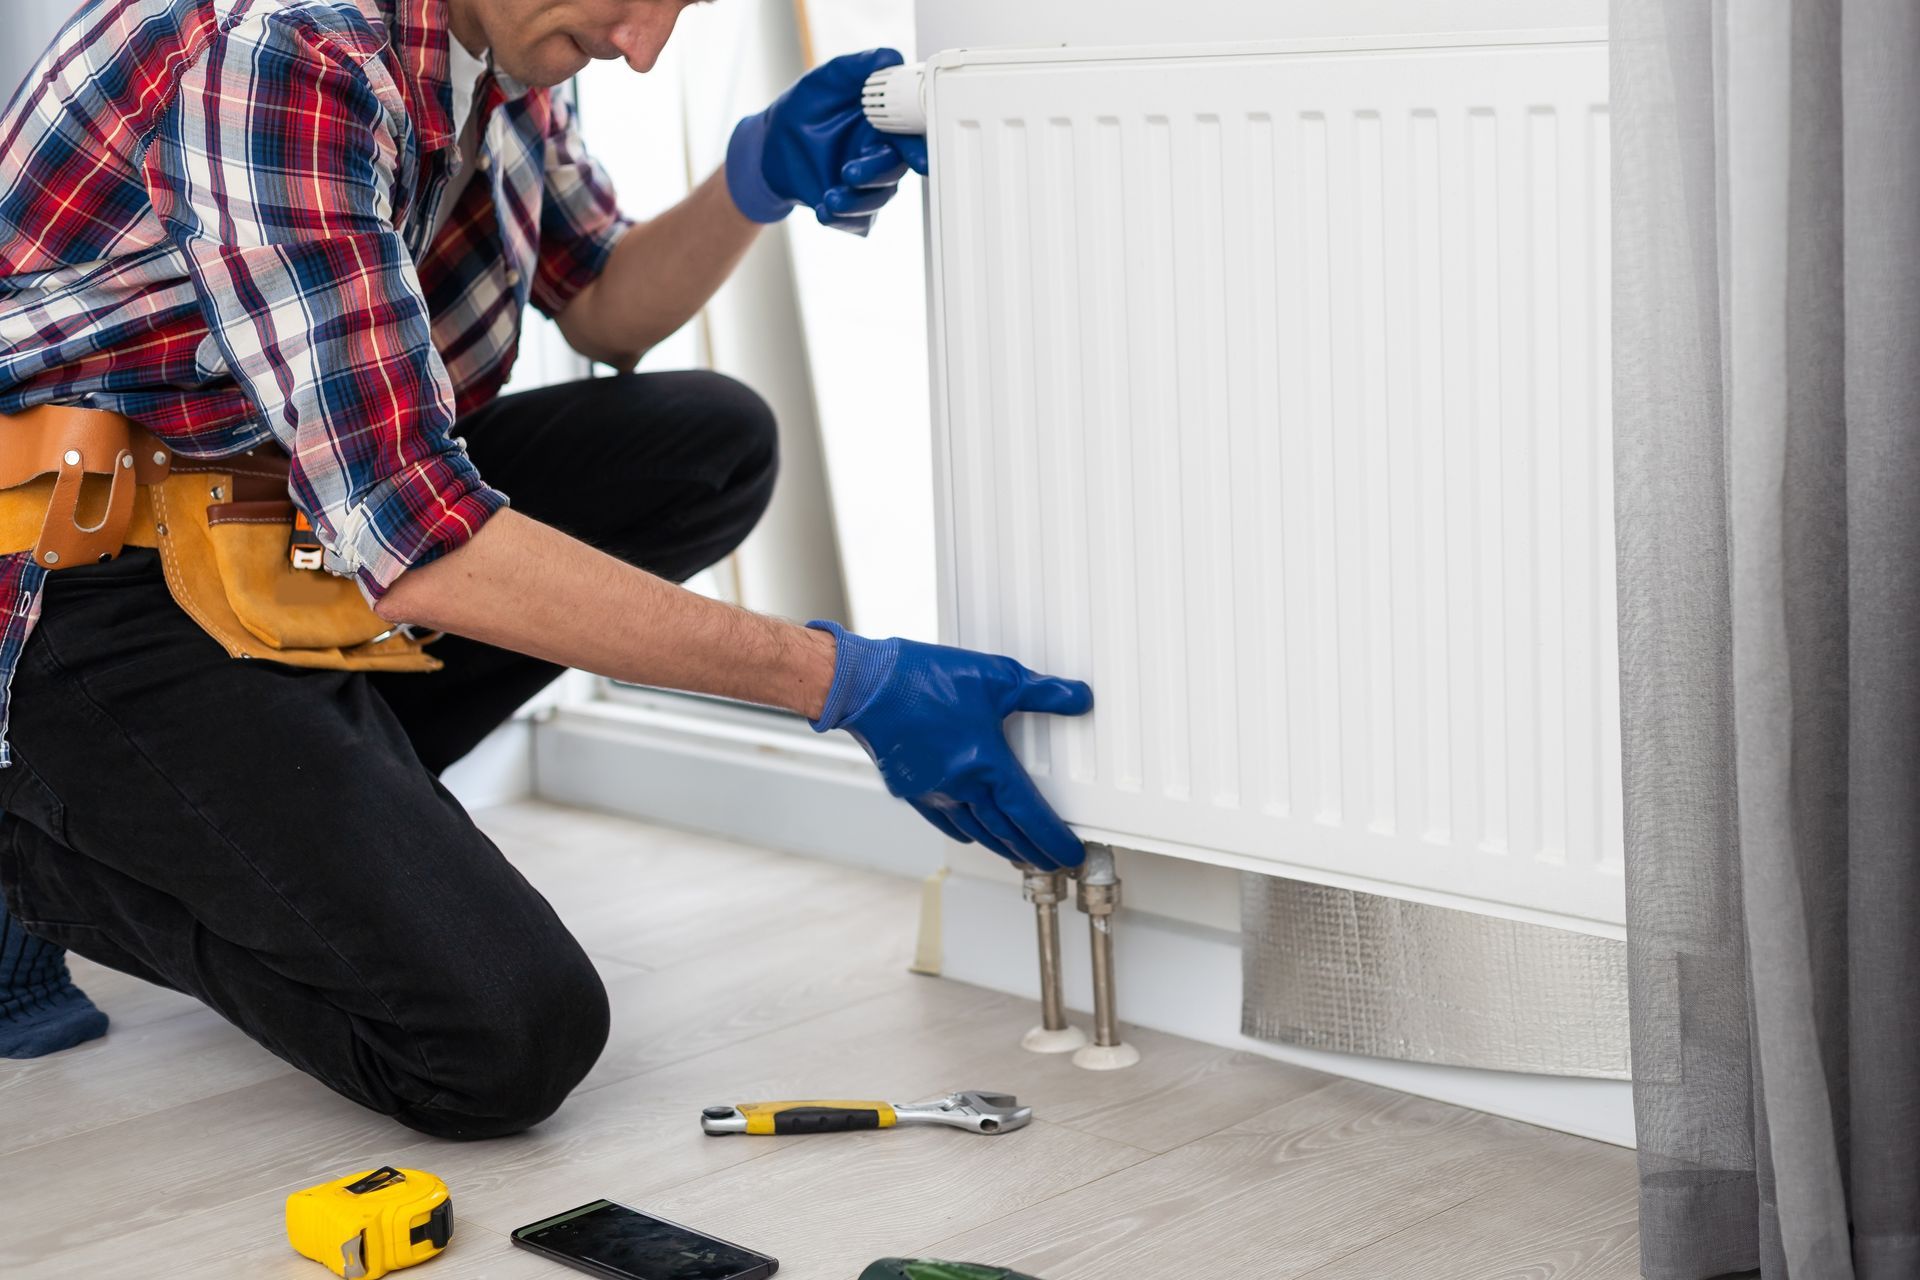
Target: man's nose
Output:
[(638, 45)]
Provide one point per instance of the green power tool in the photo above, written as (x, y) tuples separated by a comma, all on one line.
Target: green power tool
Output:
[(929, 1269)]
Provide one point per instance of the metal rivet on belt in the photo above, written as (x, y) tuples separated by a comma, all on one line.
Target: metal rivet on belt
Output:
[(71, 457), (52, 557), (126, 459), (219, 494), (160, 529), (160, 456)]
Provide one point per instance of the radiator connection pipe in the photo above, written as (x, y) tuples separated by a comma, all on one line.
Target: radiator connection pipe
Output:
[(1099, 897), (1045, 889)]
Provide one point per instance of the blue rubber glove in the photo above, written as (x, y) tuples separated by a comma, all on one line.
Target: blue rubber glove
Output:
[(814, 147), (930, 717)]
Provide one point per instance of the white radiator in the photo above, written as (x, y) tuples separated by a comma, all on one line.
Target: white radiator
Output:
[(1271, 397)]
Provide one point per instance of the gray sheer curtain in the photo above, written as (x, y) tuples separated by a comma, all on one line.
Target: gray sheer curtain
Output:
[(1767, 414)]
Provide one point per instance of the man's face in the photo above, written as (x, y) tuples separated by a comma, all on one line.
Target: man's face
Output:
[(545, 42)]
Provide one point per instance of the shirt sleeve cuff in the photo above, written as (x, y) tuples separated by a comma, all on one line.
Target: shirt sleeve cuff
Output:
[(431, 508)]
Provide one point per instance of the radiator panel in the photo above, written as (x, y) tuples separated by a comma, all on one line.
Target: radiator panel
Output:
[(1273, 400)]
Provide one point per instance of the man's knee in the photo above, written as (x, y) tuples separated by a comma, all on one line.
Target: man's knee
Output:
[(737, 414), (720, 470), (519, 1041), (740, 428), (731, 428)]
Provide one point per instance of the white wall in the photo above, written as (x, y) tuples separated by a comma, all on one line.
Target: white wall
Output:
[(865, 308), (658, 135)]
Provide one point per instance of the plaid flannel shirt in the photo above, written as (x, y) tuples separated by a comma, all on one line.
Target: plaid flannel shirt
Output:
[(212, 215)]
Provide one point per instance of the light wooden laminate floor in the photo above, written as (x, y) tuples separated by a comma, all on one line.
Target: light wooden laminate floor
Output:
[(735, 973)]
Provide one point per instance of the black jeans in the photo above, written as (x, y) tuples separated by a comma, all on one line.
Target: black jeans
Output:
[(275, 841)]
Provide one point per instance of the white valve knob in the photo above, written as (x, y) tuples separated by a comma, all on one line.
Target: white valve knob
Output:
[(894, 99)]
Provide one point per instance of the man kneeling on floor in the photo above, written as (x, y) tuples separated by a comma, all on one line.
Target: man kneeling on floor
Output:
[(261, 273)]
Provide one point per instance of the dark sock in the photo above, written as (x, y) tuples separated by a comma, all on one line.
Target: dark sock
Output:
[(41, 1011)]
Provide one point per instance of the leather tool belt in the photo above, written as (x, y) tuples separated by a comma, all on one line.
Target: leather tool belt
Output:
[(78, 485)]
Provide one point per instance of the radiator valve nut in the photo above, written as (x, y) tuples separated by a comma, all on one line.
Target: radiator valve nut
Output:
[(1099, 899), (1041, 888)]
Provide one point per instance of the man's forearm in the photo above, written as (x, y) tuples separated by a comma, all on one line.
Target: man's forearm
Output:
[(525, 586), (659, 276)]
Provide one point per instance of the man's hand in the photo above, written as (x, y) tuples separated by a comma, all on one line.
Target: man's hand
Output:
[(931, 718), (815, 147)]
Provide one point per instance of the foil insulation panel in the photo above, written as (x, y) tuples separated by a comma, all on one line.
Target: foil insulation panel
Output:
[(1359, 973)]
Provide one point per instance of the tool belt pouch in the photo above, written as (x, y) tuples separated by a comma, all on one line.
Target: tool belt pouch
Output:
[(222, 528), (223, 539)]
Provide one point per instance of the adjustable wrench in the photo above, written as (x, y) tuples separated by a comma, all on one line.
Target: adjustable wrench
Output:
[(972, 1110)]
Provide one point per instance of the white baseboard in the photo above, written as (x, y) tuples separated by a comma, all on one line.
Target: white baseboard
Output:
[(1185, 979), (769, 781), (740, 774)]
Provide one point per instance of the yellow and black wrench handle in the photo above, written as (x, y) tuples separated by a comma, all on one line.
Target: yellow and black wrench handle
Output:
[(834, 1116)]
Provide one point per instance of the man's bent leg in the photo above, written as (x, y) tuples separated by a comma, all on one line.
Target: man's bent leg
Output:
[(667, 471), (266, 839)]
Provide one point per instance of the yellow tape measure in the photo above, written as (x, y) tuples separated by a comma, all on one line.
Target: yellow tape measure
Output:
[(364, 1225)]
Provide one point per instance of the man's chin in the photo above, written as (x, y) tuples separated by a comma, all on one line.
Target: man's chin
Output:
[(554, 63)]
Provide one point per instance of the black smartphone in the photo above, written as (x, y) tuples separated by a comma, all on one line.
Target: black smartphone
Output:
[(612, 1240)]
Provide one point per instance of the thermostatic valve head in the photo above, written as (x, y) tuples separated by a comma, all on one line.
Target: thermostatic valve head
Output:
[(895, 99)]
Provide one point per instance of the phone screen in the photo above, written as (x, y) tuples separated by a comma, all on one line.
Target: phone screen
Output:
[(635, 1245)]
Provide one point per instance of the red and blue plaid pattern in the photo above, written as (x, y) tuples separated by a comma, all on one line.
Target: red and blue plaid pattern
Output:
[(211, 220)]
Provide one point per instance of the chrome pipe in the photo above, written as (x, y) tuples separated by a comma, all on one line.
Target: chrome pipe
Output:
[(1053, 1012), (1099, 896), (1044, 889), (1106, 1031)]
